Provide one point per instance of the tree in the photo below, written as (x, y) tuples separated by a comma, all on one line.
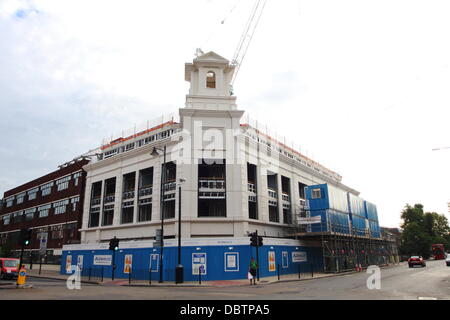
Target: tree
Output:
[(421, 230), (415, 238)]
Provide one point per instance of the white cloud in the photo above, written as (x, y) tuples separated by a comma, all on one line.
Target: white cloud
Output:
[(361, 85)]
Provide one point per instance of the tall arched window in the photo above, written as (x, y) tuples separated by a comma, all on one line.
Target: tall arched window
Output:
[(211, 80)]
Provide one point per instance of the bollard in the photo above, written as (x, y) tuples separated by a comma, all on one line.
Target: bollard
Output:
[(299, 271), (199, 276), (102, 273), (278, 269), (312, 271), (129, 277)]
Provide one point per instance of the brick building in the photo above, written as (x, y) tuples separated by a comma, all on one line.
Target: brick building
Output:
[(50, 206)]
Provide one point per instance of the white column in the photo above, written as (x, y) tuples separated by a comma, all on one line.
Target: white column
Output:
[(118, 199), (156, 197), (102, 194), (280, 198), (136, 196), (86, 205), (262, 193)]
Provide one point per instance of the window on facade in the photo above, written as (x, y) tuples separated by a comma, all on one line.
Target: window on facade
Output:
[(127, 212), (63, 183), (74, 202), (60, 206), (301, 190), (94, 215), (252, 209), (76, 177), (273, 212), (17, 217), (9, 202), (211, 80), (43, 210), (32, 193), (20, 198), (145, 210), (212, 208), (56, 232), (110, 190), (316, 194), (108, 215), (71, 230), (29, 214), (6, 219), (287, 217), (46, 189)]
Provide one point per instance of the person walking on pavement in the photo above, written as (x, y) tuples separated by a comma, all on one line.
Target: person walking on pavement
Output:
[(252, 271)]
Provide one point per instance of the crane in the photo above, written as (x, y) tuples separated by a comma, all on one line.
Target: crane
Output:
[(246, 37)]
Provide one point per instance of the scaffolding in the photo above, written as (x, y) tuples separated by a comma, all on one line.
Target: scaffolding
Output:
[(347, 249)]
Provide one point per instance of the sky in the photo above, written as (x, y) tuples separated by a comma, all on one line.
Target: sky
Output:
[(363, 86)]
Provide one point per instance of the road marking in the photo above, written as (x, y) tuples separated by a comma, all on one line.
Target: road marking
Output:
[(426, 298)]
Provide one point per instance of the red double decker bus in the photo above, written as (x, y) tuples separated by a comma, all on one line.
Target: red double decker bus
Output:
[(438, 251)]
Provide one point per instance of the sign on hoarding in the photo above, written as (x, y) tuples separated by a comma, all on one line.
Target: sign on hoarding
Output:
[(231, 261), (102, 260), (299, 256), (198, 263), (309, 220), (272, 261), (128, 263)]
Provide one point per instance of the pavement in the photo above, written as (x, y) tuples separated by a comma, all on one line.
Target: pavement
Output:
[(55, 275)]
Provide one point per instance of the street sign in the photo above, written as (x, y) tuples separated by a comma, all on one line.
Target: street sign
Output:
[(43, 236), (158, 238), (309, 220)]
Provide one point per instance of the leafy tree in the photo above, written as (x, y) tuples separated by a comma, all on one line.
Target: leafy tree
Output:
[(420, 230)]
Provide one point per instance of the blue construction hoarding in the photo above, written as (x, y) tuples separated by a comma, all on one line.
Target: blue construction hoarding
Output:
[(213, 262)]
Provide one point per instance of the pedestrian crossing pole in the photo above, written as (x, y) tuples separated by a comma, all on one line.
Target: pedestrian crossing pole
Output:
[(257, 256)]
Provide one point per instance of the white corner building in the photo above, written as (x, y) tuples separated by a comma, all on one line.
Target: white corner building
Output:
[(234, 179)]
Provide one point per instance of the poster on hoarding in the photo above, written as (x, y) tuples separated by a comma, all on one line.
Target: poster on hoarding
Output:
[(154, 262), (299, 256), (80, 262), (128, 263), (69, 264), (272, 266), (231, 261), (198, 263)]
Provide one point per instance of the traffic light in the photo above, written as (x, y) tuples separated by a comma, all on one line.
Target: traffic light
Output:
[(114, 244), (253, 239), (25, 236), (260, 241)]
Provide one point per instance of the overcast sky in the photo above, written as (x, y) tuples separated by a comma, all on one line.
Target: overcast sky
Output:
[(364, 86)]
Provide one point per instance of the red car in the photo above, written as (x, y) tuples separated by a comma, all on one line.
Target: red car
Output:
[(8, 268), (416, 260)]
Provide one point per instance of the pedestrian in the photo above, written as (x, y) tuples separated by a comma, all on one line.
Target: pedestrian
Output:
[(252, 271)]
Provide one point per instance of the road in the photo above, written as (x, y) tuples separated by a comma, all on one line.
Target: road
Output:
[(399, 282)]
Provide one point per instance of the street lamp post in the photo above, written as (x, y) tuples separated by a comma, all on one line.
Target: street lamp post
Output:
[(163, 180), (179, 267)]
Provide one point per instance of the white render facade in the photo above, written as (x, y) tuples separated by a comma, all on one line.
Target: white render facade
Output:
[(234, 179)]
